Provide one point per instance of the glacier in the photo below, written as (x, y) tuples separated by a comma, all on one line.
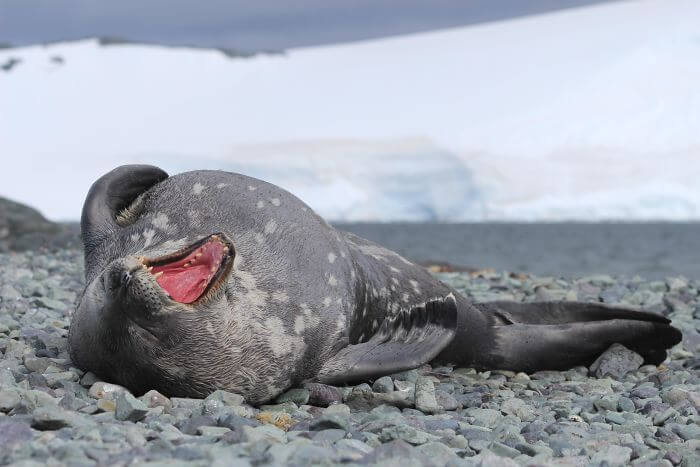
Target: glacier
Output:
[(583, 114)]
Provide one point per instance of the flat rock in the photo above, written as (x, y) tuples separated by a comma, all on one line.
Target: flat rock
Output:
[(129, 408)]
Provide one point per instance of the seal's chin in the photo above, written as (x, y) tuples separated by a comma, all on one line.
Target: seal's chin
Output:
[(194, 272)]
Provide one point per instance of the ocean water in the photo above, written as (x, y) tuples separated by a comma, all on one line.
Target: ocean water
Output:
[(650, 250)]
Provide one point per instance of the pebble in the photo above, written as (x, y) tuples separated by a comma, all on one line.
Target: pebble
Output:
[(425, 396), (128, 408), (616, 362)]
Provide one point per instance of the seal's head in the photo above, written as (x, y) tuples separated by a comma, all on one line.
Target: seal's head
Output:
[(139, 322)]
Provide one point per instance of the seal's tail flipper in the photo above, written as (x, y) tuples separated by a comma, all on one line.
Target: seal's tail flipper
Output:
[(560, 335)]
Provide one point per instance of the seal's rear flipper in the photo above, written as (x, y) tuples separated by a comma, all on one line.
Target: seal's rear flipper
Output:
[(407, 340), (560, 335)]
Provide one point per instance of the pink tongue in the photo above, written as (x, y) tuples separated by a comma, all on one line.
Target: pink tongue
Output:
[(186, 284)]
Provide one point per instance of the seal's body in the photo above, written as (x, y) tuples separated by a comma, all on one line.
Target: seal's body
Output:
[(209, 280)]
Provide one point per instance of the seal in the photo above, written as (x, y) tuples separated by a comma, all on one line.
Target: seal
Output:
[(212, 280)]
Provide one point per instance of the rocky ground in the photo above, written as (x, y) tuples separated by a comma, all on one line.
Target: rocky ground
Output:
[(615, 413)]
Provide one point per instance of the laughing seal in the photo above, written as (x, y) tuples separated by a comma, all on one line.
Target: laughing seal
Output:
[(213, 280)]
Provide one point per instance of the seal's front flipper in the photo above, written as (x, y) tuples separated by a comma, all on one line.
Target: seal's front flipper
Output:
[(407, 340), (560, 335)]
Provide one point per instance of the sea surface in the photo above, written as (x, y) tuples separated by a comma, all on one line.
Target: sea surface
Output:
[(650, 250)]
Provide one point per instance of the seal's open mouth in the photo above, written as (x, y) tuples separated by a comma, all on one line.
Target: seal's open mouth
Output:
[(191, 273)]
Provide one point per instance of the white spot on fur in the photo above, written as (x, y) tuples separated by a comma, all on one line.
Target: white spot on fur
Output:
[(261, 204), (331, 257), (404, 298), (332, 281), (252, 188), (270, 227), (395, 280), (279, 342), (221, 185), (148, 234), (197, 188), (340, 323), (393, 269), (135, 237), (352, 274), (160, 221), (275, 201), (342, 254), (280, 296), (414, 284), (299, 325), (304, 208), (327, 301), (259, 238)]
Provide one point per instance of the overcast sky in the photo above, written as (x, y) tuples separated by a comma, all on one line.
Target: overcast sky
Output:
[(249, 25)]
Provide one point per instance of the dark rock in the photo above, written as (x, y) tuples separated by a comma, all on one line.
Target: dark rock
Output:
[(129, 408), (326, 422), (189, 426), (398, 451), (616, 362), (323, 395)]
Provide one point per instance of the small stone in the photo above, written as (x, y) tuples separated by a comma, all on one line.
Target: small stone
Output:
[(213, 431), (50, 418), (299, 396), (230, 399), (107, 405), (49, 303), (410, 375), (88, 379), (129, 408), (281, 420), (189, 426), (518, 408), (337, 409), (9, 400), (616, 362), (36, 364), (329, 436), (438, 452), (325, 422), (446, 401), (102, 390), (612, 455), (425, 396), (155, 399), (503, 450), (269, 433), (383, 384), (323, 395)]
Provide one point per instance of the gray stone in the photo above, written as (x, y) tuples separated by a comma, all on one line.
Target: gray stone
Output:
[(612, 455), (425, 396), (438, 452), (299, 396), (229, 399), (51, 418), (129, 408), (446, 401), (329, 421), (383, 384), (616, 362), (323, 395), (9, 399), (155, 399)]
